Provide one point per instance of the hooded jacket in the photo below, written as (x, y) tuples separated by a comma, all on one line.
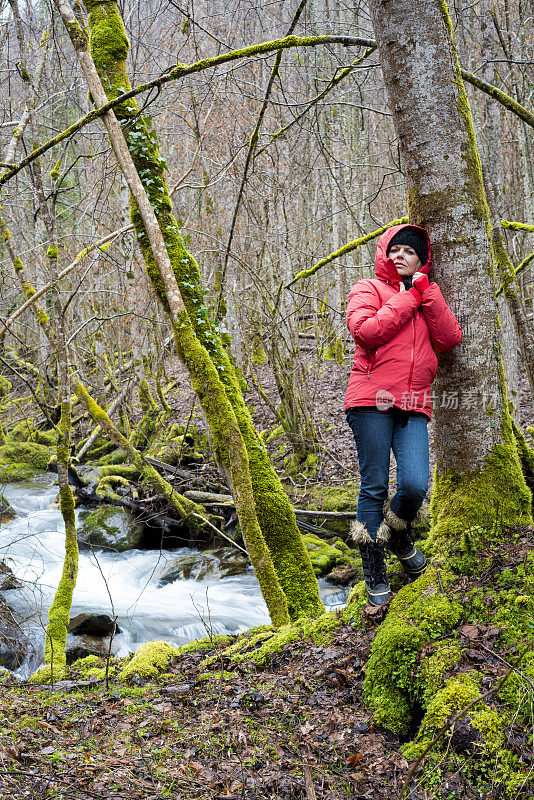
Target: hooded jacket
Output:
[(397, 336)]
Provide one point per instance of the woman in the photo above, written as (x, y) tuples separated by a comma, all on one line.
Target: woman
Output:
[(397, 320)]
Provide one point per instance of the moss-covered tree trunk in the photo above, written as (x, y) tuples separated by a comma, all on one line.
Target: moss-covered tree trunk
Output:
[(478, 482), (109, 48), (511, 295), (478, 477), (59, 613), (228, 442)]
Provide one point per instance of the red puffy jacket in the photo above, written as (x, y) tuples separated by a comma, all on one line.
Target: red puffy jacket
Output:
[(394, 362)]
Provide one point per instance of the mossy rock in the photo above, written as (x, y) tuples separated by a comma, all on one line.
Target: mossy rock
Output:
[(324, 557), (6, 510), (13, 644), (36, 455), (110, 528), (26, 431), (15, 473), (7, 578)]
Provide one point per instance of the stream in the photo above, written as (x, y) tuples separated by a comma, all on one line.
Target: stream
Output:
[(124, 584)]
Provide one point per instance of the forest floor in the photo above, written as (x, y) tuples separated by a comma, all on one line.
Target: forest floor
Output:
[(294, 728)]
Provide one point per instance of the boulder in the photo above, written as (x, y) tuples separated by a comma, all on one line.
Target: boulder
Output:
[(83, 646), (110, 528), (344, 576), (7, 578), (96, 625), (7, 513), (224, 562), (14, 645), (324, 557)]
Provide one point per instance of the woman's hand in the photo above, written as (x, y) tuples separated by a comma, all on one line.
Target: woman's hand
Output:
[(420, 281)]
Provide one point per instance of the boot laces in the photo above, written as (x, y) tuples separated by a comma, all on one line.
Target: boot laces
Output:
[(377, 566)]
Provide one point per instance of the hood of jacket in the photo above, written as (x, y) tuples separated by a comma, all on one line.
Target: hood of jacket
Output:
[(385, 268)]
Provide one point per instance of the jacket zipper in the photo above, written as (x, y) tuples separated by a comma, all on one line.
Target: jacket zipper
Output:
[(412, 356), (370, 362)]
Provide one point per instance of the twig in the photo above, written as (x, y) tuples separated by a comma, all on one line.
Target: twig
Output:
[(220, 533), (308, 783), (493, 653)]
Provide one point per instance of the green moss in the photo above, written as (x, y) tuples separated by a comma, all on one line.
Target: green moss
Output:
[(52, 252), (208, 643), (104, 488), (495, 492), (147, 402), (457, 694), (49, 674), (36, 455), (258, 355), (115, 457), (356, 602), (334, 498), (261, 644), (517, 693), (129, 471), (58, 615), (419, 613), (526, 456), (151, 659), (26, 431), (12, 472), (434, 669), (324, 557), (6, 387)]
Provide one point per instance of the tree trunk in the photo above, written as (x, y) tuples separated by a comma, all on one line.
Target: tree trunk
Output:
[(228, 441), (478, 477), (109, 47), (511, 306), (478, 482)]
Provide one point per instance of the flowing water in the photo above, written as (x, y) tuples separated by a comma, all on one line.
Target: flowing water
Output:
[(124, 584)]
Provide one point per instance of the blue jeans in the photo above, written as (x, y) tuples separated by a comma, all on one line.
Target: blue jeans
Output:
[(376, 434)]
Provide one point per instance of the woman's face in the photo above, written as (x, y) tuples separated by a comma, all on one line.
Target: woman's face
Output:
[(405, 259)]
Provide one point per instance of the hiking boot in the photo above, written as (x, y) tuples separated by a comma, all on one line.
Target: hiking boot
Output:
[(374, 566), (400, 543), (413, 561)]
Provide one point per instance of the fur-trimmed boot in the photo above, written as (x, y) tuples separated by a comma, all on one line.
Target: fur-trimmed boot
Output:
[(400, 542), (373, 563)]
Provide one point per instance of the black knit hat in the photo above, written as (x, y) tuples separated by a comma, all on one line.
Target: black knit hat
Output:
[(413, 238)]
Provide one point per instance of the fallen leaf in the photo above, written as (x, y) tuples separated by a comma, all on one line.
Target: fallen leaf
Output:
[(470, 631)]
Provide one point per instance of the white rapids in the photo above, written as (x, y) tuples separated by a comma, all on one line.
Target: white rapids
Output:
[(121, 584)]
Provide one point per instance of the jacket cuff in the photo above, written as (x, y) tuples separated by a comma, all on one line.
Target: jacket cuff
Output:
[(421, 283), (416, 295)]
